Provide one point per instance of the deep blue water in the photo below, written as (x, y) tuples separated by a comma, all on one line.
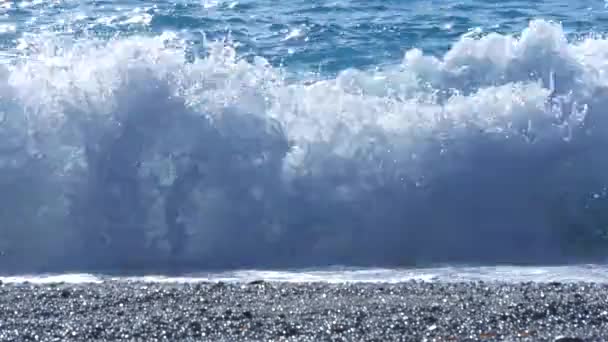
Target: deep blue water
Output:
[(312, 35), (227, 134)]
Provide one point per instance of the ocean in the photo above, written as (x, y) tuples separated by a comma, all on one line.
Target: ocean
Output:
[(349, 140)]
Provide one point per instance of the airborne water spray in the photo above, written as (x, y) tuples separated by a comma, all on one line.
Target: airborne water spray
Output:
[(147, 159)]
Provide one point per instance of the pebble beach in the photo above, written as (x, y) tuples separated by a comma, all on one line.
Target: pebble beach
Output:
[(273, 311)]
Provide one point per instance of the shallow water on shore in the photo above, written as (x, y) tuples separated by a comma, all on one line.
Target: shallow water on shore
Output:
[(508, 274)]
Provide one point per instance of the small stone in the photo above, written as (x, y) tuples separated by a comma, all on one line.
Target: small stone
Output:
[(568, 339), (195, 326), (219, 284), (65, 293), (247, 314), (97, 331), (257, 282)]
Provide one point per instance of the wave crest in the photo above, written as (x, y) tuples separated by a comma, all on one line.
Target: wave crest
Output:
[(131, 153)]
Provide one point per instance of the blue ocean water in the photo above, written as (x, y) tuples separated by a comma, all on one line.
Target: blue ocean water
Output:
[(325, 36), (154, 135)]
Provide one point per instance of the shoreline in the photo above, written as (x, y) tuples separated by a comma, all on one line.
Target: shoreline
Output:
[(259, 310)]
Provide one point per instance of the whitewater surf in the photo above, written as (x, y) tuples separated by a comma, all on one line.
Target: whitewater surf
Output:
[(492, 152)]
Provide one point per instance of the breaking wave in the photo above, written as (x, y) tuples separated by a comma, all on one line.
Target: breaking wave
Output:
[(137, 153)]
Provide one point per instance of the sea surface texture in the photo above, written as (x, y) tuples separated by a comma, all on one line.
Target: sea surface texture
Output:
[(156, 136)]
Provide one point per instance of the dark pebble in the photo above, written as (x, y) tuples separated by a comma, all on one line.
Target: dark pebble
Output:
[(568, 339), (195, 326)]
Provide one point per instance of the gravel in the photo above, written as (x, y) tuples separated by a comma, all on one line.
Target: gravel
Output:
[(412, 311)]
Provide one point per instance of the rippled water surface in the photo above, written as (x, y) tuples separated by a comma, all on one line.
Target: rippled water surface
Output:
[(312, 35)]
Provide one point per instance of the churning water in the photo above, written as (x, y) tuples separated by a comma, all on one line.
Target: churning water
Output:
[(197, 135)]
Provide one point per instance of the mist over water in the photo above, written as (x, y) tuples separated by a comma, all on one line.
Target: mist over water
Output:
[(142, 153)]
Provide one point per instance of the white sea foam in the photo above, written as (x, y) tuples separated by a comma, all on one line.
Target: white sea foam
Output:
[(336, 275), (53, 279), (493, 151)]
